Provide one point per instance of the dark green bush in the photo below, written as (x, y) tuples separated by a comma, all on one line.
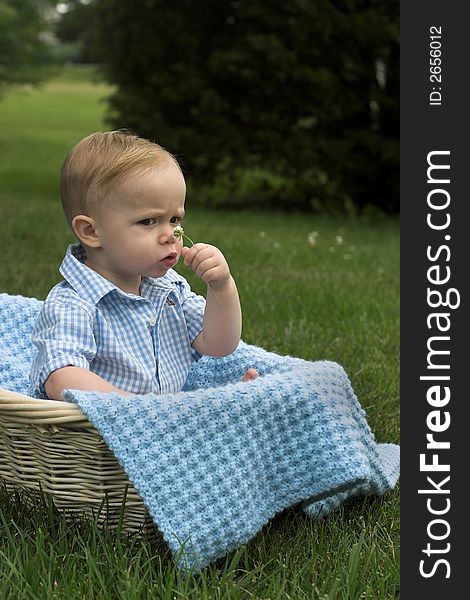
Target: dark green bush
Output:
[(265, 102)]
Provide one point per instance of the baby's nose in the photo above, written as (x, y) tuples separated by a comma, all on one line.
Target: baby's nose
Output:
[(167, 235)]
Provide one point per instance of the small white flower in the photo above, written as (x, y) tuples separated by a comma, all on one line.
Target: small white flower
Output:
[(339, 240), (262, 234), (276, 245), (312, 239), (178, 232)]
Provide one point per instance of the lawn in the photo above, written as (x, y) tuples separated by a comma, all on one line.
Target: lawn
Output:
[(311, 286)]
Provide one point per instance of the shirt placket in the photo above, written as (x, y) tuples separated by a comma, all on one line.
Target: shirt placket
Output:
[(153, 326)]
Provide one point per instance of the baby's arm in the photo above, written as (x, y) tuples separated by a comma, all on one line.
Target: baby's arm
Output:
[(76, 378), (222, 317)]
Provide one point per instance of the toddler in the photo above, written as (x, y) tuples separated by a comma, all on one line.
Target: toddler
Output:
[(123, 320)]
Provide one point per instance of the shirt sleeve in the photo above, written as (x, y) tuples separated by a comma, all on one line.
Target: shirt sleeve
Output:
[(63, 336)]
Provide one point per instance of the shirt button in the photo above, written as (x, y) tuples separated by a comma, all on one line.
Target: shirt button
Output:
[(152, 321)]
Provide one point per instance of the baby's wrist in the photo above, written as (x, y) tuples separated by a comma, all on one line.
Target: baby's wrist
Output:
[(221, 285)]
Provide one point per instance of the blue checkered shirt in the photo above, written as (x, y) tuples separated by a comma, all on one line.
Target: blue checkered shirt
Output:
[(140, 344)]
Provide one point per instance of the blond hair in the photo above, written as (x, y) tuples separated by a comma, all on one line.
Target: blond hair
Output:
[(99, 161)]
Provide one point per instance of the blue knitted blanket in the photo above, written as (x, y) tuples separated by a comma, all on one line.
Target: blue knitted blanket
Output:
[(216, 461)]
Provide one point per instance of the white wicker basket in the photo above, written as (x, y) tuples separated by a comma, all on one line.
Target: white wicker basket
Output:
[(50, 446)]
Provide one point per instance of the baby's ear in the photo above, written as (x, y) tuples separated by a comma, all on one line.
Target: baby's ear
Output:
[(84, 228)]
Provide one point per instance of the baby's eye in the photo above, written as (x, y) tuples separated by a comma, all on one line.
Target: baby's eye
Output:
[(147, 222), (176, 220)]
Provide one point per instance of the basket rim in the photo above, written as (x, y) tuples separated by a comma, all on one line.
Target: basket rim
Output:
[(21, 408)]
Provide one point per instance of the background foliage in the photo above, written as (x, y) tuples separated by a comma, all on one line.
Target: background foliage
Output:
[(267, 102), (25, 48)]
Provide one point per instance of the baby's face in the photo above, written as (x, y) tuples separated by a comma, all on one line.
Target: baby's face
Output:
[(135, 224)]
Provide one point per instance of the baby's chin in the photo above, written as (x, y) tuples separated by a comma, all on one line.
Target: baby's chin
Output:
[(158, 271)]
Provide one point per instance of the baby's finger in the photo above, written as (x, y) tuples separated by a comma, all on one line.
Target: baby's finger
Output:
[(192, 253), (206, 265), (202, 255), (215, 275)]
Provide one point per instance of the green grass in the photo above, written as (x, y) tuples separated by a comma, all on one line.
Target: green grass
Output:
[(338, 301)]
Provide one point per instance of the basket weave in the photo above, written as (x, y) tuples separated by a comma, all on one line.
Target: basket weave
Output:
[(51, 446)]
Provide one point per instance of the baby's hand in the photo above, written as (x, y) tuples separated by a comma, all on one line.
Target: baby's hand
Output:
[(208, 263)]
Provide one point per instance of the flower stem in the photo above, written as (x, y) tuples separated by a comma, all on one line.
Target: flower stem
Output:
[(188, 238)]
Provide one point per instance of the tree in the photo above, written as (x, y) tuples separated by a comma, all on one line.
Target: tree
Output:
[(25, 48), (267, 101), (75, 28)]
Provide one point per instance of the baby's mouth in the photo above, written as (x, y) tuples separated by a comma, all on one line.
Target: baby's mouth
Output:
[(170, 260)]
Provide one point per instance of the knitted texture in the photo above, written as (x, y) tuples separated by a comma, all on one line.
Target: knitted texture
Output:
[(214, 464), (17, 317), (216, 461)]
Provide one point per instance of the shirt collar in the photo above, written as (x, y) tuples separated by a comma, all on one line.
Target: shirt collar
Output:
[(91, 286)]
